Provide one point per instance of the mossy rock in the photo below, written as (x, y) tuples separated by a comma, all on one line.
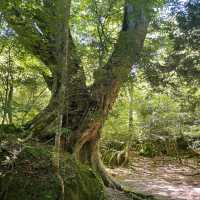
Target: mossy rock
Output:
[(33, 177)]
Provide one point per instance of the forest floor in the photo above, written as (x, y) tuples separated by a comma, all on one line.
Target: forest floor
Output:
[(164, 178)]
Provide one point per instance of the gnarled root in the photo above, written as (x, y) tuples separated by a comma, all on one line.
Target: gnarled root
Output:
[(87, 151), (99, 167)]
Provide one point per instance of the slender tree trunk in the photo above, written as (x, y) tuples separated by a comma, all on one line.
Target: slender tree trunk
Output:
[(8, 97), (130, 114)]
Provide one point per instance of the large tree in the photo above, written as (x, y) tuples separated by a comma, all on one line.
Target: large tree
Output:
[(77, 110)]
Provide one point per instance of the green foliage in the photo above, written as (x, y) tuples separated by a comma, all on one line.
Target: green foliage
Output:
[(166, 104), (21, 74), (171, 53), (9, 129), (159, 119), (66, 131), (99, 23), (147, 150), (95, 26)]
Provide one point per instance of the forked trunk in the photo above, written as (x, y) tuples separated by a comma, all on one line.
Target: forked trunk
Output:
[(85, 109), (83, 119)]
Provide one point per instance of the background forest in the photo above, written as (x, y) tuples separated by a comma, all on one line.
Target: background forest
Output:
[(161, 96), (157, 110)]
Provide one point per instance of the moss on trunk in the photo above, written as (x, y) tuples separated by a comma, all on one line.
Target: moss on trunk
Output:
[(33, 176)]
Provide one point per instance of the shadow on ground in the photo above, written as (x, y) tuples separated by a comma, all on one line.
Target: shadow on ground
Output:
[(165, 179)]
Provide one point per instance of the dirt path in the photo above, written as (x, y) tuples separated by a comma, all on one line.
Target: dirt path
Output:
[(163, 179)]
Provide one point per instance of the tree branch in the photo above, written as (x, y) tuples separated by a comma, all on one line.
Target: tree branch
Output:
[(126, 53)]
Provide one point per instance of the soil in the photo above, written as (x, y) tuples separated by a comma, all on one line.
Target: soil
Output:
[(163, 178)]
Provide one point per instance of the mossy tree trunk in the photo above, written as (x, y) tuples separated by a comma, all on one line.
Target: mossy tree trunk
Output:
[(85, 109)]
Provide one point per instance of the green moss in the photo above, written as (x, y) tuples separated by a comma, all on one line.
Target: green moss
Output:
[(23, 186), (81, 182), (35, 178)]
